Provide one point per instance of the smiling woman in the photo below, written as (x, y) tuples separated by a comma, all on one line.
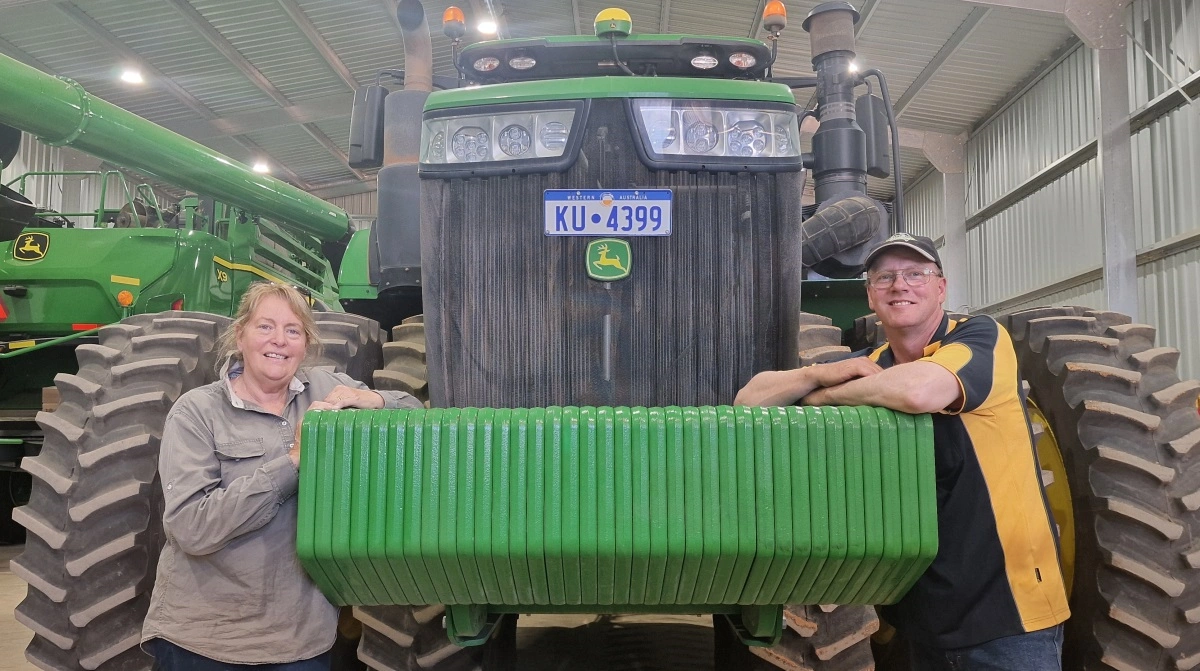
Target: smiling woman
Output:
[(230, 589)]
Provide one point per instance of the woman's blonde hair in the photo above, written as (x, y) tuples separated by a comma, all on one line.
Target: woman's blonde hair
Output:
[(254, 296)]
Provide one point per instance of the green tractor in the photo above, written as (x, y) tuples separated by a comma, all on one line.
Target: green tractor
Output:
[(607, 238)]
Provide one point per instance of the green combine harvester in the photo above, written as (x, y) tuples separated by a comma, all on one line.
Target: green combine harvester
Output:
[(607, 239)]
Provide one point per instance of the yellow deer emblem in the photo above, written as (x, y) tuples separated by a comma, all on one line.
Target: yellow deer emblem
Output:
[(31, 246), (606, 260)]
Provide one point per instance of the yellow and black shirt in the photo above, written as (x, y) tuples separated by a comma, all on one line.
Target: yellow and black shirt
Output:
[(996, 572)]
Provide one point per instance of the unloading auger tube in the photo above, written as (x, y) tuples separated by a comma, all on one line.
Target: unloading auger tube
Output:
[(60, 112)]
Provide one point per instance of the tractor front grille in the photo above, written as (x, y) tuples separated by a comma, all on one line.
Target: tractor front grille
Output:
[(514, 321)]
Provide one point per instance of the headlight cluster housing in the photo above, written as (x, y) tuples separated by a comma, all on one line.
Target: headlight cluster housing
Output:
[(708, 131), (507, 133)]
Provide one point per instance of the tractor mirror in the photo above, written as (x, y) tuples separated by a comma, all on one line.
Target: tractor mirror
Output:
[(872, 118), (366, 127)]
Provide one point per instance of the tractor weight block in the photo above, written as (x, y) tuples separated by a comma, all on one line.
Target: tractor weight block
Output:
[(728, 510)]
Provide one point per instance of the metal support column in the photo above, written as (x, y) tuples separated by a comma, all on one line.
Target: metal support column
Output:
[(947, 153), (1101, 25)]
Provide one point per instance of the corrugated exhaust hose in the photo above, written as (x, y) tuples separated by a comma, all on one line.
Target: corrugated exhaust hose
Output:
[(838, 227)]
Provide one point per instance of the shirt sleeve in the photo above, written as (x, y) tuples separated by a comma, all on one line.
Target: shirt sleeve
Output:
[(969, 353), (391, 399), (199, 513)]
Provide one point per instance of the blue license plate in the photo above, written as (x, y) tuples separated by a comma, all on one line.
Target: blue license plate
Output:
[(611, 212)]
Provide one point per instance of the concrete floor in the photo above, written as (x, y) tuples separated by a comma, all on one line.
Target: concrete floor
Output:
[(13, 637)]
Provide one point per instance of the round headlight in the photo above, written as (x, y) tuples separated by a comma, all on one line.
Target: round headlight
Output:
[(522, 62), (514, 140), (487, 64), (700, 137), (742, 60), (471, 144), (704, 62), (553, 135), (437, 146), (747, 138)]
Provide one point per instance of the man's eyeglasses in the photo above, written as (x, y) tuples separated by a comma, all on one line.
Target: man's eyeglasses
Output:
[(912, 277)]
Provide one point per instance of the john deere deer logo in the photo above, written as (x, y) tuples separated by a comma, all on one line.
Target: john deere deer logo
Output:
[(608, 259), (31, 246)]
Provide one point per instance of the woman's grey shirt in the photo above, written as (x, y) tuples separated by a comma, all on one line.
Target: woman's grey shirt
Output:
[(230, 585)]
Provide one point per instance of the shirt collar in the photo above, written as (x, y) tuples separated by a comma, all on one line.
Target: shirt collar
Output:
[(232, 368)]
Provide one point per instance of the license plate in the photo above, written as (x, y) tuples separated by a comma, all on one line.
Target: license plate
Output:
[(614, 212)]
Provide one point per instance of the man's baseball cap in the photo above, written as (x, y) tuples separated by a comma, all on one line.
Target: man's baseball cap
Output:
[(918, 243)]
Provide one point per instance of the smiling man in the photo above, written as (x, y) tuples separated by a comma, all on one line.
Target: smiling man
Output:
[(993, 599)]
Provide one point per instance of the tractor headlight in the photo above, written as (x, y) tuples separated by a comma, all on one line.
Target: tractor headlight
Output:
[(510, 136), (721, 130)]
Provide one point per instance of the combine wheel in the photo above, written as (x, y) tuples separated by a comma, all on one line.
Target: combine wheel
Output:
[(1127, 431), (94, 517), (816, 638)]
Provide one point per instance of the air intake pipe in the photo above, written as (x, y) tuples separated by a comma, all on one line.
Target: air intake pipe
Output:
[(838, 235)]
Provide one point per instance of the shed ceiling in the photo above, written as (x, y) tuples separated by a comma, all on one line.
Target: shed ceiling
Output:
[(273, 79)]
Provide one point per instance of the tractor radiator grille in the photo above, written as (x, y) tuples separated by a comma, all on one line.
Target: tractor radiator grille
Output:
[(570, 506), (514, 321)]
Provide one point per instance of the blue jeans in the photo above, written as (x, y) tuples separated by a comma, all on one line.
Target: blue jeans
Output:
[(1035, 651), (170, 657)]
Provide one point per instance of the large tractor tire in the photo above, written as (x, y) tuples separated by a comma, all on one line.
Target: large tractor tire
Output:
[(1126, 429), (816, 638), (94, 517), (404, 366)]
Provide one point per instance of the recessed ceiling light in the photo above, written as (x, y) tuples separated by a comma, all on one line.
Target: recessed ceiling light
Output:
[(261, 166), (132, 76), (487, 27), (853, 66)]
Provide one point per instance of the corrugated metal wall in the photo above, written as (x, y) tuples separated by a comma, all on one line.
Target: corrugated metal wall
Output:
[(924, 207), (1046, 247), (44, 191), (358, 204)]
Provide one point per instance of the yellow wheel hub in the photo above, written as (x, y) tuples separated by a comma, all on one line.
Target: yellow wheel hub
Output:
[(1058, 491)]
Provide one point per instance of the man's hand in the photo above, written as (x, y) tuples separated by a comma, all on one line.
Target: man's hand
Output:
[(349, 397), (839, 372)]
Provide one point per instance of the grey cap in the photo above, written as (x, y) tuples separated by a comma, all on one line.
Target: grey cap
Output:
[(918, 243)]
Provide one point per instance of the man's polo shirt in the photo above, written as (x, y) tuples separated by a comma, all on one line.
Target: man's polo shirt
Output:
[(996, 572)]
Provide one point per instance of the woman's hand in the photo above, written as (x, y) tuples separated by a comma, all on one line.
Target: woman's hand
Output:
[(349, 397)]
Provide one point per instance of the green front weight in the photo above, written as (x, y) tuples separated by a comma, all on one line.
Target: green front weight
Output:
[(607, 510)]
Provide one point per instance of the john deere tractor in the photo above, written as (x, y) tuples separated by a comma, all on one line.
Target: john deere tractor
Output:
[(608, 238)]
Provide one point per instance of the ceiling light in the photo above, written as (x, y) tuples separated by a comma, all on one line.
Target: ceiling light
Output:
[(261, 166), (487, 27), (132, 76), (853, 66)]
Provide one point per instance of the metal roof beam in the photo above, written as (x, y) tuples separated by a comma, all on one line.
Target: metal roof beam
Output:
[(664, 16), (310, 31), (101, 34), (864, 16), (306, 111), (206, 30), (1043, 6), (254, 150), (575, 13), (946, 152), (346, 187), (939, 59), (17, 53), (323, 139), (230, 52)]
